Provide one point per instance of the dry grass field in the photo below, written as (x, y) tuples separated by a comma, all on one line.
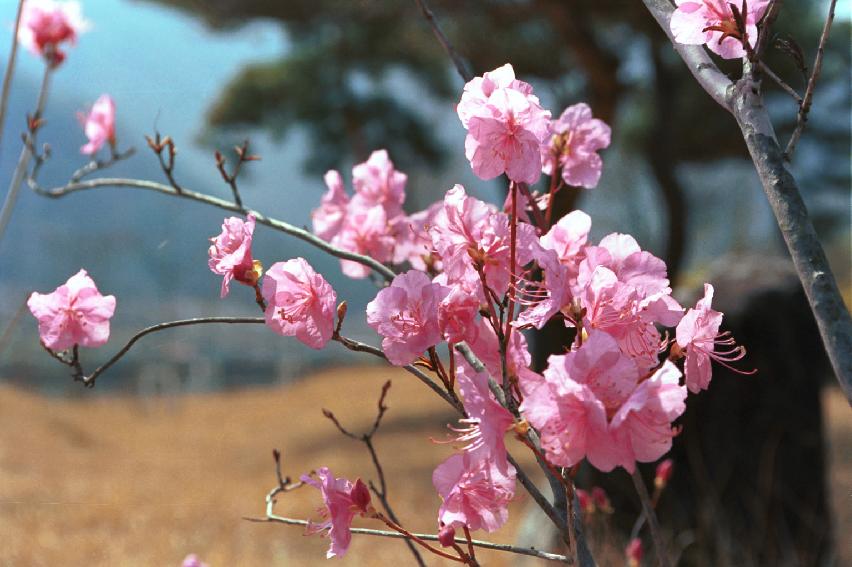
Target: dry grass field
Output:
[(125, 481)]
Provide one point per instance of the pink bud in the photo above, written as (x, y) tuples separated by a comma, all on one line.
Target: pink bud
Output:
[(586, 503), (447, 535), (601, 500), (634, 552), (360, 495), (664, 474)]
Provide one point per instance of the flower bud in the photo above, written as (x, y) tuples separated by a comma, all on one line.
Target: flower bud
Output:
[(601, 500), (586, 503), (663, 474), (634, 552), (360, 495), (447, 536)]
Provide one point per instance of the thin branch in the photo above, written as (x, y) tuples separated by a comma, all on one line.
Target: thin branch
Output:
[(460, 64), (807, 100), (90, 379), (357, 346), (273, 223), (243, 156), (98, 165), (531, 552), (651, 516), (10, 70), (24, 160), (780, 82), (764, 32), (367, 438), (167, 164)]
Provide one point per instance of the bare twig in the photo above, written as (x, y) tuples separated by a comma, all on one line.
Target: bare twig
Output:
[(158, 145), (357, 346), (90, 379), (805, 106), (651, 516), (24, 160), (276, 224), (381, 491), (528, 551), (780, 82), (98, 165), (10, 71), (243, 156), (460, 64)]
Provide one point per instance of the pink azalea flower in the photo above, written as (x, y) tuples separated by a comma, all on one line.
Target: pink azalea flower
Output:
[(506, 126), (99, 125), (366, 232), (568, 237), (300, 303), (563, 249), (625, 292), (328, 218), (413, 241), (571, 407), (641, 270), (486, 422), (230, 253), (192, 560), (468, 233), (697, 336), (643, 424), (475, 492), (487, 350), (614, 307), (343, 500), (711, 22), (576, 139), (406, 315), (378, 183), (46, 24), (457, 314), (74, 314)]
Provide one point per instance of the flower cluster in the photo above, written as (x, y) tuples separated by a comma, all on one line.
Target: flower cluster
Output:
[(614, 396), (475, 275), (371, 222)]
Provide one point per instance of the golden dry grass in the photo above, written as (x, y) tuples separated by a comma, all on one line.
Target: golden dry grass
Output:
[(124, 481)]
